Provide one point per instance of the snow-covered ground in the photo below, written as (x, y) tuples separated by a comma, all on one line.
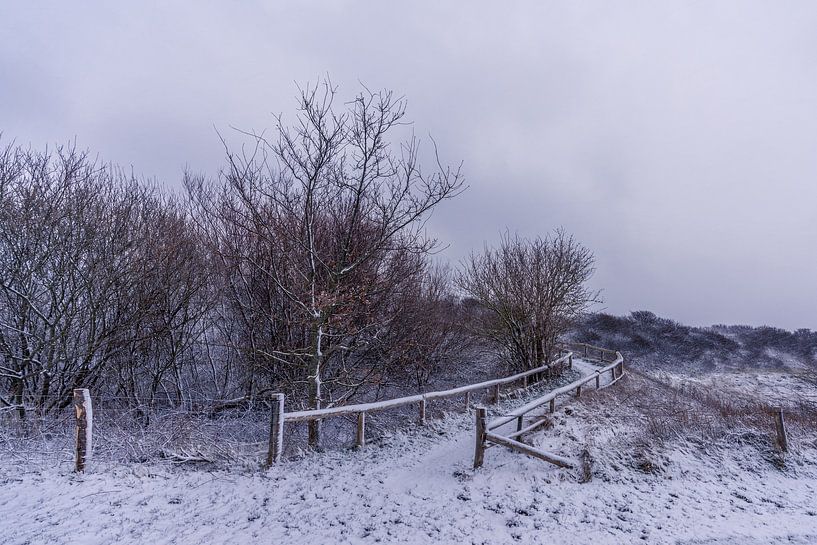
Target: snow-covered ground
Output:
[(418, 487), (779, 387)]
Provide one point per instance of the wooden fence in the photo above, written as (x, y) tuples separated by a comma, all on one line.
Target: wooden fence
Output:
[(487, 433), (279, 417)]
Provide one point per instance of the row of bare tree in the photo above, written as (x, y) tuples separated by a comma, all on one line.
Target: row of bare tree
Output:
[(102, 279), (304, 267)]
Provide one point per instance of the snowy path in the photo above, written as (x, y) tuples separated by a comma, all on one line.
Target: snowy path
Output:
[(416, 487)]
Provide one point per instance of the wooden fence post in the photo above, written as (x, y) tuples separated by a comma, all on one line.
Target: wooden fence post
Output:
[(276, 430), (598, 382), (585, 351), (467, 400), (496, 393), (578, 391), (423, 412), (360, 438), (782, 438), (570, 361), (553, 405), (85, 427), (479, 447)]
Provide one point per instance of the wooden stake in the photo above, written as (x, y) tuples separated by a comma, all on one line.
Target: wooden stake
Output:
[(85, 426), (276, 430), (598, 382), (467, 400), (479, 447), (519, 423), (496, 393), (553, 405), (360, 439), (570, 361), (578, 391), (782, 437), (519, 433)]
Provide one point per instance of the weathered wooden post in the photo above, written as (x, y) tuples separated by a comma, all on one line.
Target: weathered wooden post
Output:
[(585, 351), (467, 400), (479, 447), (360, 438), (85, 427), (496, 393), (276, 430), (423, 412), (598, 382), (578, 391), (782, 437), (553, 405), (519, 424), (570, 361)]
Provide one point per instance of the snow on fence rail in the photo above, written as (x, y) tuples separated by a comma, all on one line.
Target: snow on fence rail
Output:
[(279, 417), (362, 409), (485, 432)]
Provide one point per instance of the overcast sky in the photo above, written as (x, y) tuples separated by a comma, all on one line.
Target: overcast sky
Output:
[(677, 140)]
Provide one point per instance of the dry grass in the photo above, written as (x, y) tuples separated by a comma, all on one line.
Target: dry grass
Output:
[(648, 417)]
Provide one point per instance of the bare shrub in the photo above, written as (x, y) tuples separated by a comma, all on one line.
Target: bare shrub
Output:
[(530, 292), (100, 283)]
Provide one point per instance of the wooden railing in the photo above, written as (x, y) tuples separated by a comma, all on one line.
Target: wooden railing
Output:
[(589, 351), (279, 417), (485, 432)]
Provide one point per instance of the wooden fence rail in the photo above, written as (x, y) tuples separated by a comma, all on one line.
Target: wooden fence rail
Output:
[(421, 400), (485, 431), (319, 414), (360, 410)]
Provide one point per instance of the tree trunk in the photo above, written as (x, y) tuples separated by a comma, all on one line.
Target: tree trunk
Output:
[(315, 385), (17, 396)]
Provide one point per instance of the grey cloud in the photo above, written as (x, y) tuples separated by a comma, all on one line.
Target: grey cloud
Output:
[(674, 139)]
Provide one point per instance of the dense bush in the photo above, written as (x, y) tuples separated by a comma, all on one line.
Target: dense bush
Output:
[(661, 341)]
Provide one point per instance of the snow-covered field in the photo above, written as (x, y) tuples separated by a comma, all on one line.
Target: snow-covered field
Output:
[(418, 487), (781, 387)]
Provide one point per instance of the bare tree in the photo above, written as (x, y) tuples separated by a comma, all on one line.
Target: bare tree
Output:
[(319, 229), (98, 282), (529, 292)]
